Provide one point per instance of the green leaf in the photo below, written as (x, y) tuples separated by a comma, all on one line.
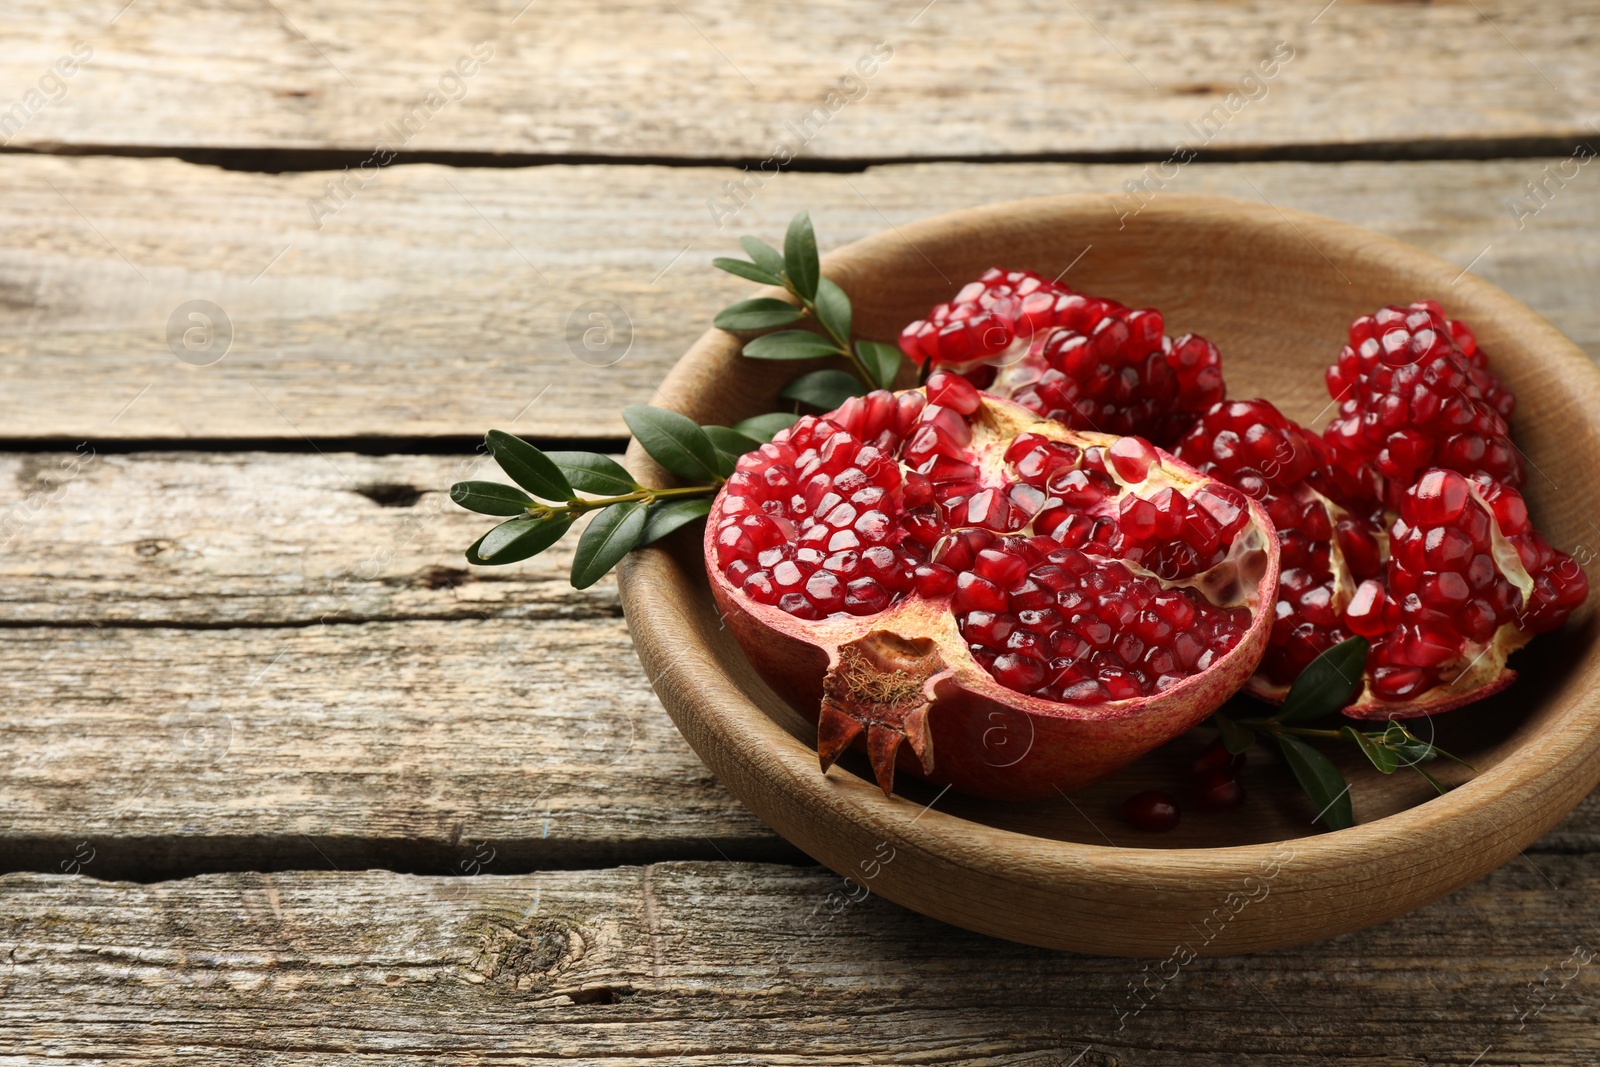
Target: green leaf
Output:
[(763, 427), (730, 441), (761, 313), (1382, 757), (800, 256), (791, 344), (1321, 780), (608, 537), (594, 473), (764, 255), (1406, 745), (1327, 684), (490, 498), (833, 309), (517, 539), (882, 362), (668, 515), (826, 389), (673, 441), (746, 270), (1235, 738), (528, 467)]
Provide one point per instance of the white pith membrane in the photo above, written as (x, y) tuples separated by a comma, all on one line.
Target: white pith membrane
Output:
[(886, 669)]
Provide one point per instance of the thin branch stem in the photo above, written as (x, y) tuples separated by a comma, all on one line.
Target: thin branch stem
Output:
[(577, 506)]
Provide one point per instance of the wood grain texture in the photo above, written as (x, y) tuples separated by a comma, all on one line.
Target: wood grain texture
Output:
[(738, 963), (259, 539), (262, 704), (1261, 283), (419, 747), (719, 79), (437, 301)]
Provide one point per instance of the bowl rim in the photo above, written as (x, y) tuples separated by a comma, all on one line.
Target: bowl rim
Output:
[(1554, 770)]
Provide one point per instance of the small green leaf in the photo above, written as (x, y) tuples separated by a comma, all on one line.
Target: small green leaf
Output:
[(761, 313), (608, 537), (763, 427), (673, 441), (1321, 780), (730, 441), (517, 539), (490, 498), (594, 473), (669, 515), (833, 309), (825, 389), (1382, 757), (800, 256), (763, 255), (528, 467), (791, 344), (1235, 738), (1327, 683), (882, 362), (746, 270)]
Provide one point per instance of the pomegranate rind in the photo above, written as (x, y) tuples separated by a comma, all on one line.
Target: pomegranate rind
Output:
[(987, 740)]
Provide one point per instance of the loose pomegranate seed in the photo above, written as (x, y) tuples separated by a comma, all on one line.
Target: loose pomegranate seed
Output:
[(1153, 810), (1217, 757), (1218, 789)]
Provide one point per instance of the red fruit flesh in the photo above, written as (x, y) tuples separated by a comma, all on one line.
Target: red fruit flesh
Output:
[(985, 598), (1412, 397), (1325, 548), (1087, 362), (1436, 566)]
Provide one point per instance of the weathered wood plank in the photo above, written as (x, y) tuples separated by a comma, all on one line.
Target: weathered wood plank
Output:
[(438, 301), (172, 749), (736, 963), (261, 539), (421, 747), (716, 79)]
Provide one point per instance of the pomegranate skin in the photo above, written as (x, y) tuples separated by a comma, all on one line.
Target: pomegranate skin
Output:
[(976, 735)]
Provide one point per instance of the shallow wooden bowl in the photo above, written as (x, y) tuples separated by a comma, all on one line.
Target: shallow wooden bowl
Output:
[(1275, 291)]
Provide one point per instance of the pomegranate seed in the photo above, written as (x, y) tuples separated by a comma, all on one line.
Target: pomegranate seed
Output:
[(1218, 789), (1153, 811)]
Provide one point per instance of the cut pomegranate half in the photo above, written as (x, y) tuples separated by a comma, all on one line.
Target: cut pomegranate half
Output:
[(984, 598)]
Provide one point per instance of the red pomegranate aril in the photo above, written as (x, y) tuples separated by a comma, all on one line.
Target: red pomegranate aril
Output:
[(954, 392), (1218, 789), (1216, 757), (1153, 811)]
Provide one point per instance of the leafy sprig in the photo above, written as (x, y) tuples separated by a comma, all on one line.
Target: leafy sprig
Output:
[(1326, 685), (551, 487), (816, 301)]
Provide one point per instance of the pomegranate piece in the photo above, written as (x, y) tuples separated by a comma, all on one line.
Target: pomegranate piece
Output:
[(1415, 392), (985, 598), (1087, 362), (1325, 547), (1444, 591)]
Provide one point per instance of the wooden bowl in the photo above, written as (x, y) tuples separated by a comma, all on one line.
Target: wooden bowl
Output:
[(1275, 291)]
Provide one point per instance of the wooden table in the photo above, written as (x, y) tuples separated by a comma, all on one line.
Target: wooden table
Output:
[(285, 782)]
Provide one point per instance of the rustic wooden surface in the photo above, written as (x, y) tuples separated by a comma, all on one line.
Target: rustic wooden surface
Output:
[(219, 659), (721, 79), (724, 963), (464, 327)]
